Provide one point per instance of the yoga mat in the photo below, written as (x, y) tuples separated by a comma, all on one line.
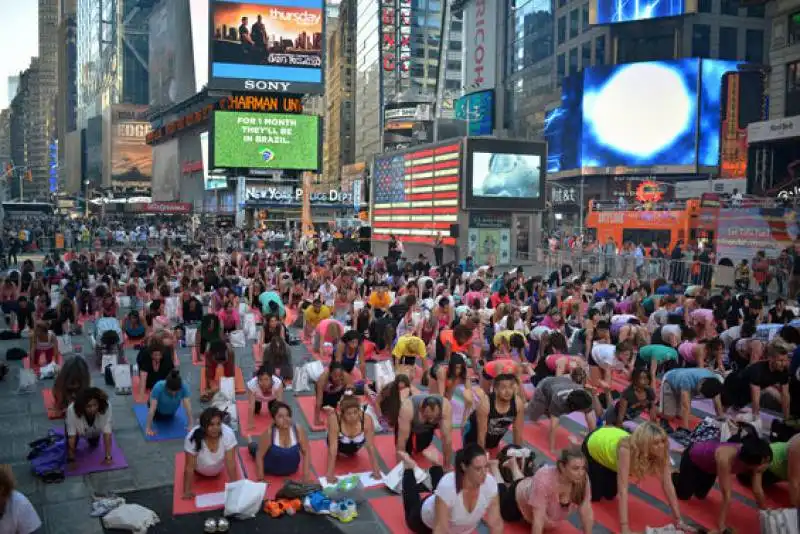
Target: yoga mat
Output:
[(88, 460), (258, 353), (390, 511), (640, 514), (274, 483), (196, 360), (346, 464), (239, 380), (306, 405), (521, 527), (537, 435), (263, 420), (202, 486), (50, 405), (138, 398), (174, 428)]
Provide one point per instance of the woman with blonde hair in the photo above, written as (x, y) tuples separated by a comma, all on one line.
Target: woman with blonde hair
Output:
[(614, 456)]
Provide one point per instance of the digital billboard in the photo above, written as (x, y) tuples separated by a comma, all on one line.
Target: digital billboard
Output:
[(267, 45), (505, 174), (477, 109), (562, 127), (265, 141), (614, 11), (640, 115)]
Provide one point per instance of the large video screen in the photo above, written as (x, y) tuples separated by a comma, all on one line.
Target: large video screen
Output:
[(613, 11), (640, 114), (505, 174), (478, 110), (267, 45), (562, 127), (711, 73), (265, 141)]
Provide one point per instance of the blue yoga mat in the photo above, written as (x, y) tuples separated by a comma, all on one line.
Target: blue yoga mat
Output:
[(175, 428)]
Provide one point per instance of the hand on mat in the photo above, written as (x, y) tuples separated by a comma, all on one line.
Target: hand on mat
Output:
[(187, 495), (150, 432), (332, 479), (376, 475), (107, 460)]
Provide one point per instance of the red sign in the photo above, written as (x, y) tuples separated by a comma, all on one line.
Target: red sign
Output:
[(168, 207), (189, 167), (649, 192)]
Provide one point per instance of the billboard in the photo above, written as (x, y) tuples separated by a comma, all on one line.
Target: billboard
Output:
[(480, 44), (740, 231), (267, 46), (265, 141), (505, 174), (640, 114), (172, 76), (562, 127), (613, 11), (131, 156), (478, 110)]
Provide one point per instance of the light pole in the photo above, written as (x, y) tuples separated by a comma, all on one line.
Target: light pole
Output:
[(86, 198)]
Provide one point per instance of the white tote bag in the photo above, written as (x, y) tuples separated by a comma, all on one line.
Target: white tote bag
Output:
[(191, 336), (171, 307), (300, 380), (384, 374), (243, 309), (238, 339), (249, 327), (243, 498), (122, 379), (314, 370), (783, 521)]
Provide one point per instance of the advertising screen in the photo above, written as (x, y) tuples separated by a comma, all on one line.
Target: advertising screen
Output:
[(265, 141), (613, 11), (267, 45), (711, 73), (640, 114), (741, 231), (505, 174), (478, 110), (562, 127)]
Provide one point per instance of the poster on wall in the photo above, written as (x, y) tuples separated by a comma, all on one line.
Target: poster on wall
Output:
[(131, 156), (489, 238)]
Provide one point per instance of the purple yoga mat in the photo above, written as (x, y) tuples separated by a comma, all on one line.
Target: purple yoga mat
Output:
[(88, 460), (707, 406)]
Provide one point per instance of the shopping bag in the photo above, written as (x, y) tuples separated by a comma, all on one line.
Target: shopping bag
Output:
[(27, 381), (249, 327), (132, 517), (238, 339), (171, 307), (124, 301), (243, 498), (191, 336), (782, 521), (300, 382), (64, 345), (384, 374), (122, 379), (314, 370)]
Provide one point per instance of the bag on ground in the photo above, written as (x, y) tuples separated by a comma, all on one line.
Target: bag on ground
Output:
[(133, 517), (315, 369), (249, 327), (122, 379), (300, 382), (782, 521), (171, 307), (27, 381), (48, 457), (384, 373), (244, 498), (238, 339), (191, 336)]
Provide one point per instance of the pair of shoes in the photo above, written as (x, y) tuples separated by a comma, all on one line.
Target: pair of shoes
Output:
[(345, 511), (212, 525), (317, 503)]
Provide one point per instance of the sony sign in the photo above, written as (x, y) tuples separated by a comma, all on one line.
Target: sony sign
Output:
[(262, 85), (480, 44)]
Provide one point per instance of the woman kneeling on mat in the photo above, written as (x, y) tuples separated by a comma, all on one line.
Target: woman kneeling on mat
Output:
[(220, 354), (281, 447), (459, 500), (614, 456), (785, 466), (210, 448), (348, 431), (264, 388), (72, 379), (89, 417), (549, 496), (165, 399), (703, 462)]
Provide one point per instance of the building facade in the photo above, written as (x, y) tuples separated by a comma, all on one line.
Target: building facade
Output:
[(13, 87), (67, 96)]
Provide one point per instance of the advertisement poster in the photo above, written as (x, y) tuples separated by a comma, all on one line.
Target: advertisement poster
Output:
[(265, 141), (131, 156), (477, 109), (267, 45), (490, 238), (741, 232)]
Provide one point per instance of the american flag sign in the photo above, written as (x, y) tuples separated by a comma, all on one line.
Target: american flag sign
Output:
[(416, 193)]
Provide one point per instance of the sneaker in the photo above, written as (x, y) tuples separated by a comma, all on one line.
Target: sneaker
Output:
[(345, 511)]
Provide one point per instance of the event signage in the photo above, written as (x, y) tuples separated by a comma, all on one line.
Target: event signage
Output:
[(167, 207), (288, 196), (265, 141), (270, 46)]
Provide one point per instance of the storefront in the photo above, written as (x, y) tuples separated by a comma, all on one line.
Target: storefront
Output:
[(772, 153)]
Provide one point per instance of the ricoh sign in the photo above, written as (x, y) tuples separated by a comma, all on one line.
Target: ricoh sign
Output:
[(480, 44)]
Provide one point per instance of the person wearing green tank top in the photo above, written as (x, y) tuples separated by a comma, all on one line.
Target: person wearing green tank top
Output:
[(614, 456), (784, 467)]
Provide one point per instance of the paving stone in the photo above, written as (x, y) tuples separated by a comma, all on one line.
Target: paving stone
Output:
[(71, 489), (70, 517), (111, 481)]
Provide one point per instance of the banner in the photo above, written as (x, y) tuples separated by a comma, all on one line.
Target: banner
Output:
[(741, 232), (480, 44), (167, 207)]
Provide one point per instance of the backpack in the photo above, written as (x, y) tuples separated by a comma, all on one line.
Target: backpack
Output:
[(48, 457)]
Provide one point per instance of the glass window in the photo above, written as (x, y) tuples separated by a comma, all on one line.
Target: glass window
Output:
[(729, 7), (792, 89), (560, 67), (573, 61), (728, 48), (600, 50), (574, 23), (562, 29), (756, 12), (562, 3), (754, 46), (701, 40), (585, 17), (704, 6), (794, 27), (586, 55)]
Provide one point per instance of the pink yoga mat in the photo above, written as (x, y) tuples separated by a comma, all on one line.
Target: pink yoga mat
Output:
[(88, 460)]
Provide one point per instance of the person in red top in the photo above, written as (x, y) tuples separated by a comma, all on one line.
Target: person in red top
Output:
[(500, 297)]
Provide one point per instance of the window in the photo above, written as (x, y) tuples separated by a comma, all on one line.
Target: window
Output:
[(794, 27), (574, 23), (754, 46), (562, 3), (585, 17), (728, 48), (704, 6), (454, 45), (600, 50), (560, 67), (562, 29), (756, 12), (573, 61), (792, 89), (586, 55), (701, 40), (729, 7)]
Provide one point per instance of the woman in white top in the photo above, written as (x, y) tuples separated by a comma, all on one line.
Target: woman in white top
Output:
[(89, 417), (460, 499), (17, 515), (210, 448), (264, 388)]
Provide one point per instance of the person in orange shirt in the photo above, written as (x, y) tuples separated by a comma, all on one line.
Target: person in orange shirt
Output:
[(380, 299)]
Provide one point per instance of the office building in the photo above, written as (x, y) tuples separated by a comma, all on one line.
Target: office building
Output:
[(339, 146), (13, 87), (399, 48), (67, 96)]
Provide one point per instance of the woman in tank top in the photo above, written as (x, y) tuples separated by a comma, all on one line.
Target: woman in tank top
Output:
[(44, 347), (282, 447), (494, 413), (349, 430)]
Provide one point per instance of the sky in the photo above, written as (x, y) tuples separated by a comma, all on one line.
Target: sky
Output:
[(19, 40)]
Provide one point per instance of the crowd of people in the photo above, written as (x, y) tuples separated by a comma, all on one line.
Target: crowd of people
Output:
[(516, 348)]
